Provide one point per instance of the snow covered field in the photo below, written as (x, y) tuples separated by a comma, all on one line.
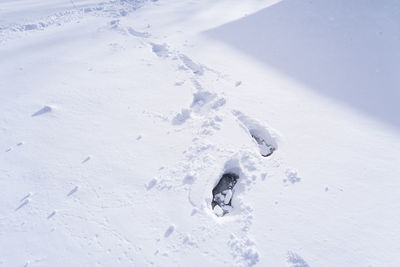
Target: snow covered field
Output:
[(118, 119)]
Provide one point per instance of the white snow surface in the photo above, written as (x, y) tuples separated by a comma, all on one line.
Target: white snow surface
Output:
[(117, 119)]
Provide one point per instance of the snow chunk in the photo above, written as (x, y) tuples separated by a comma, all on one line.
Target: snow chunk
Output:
[(218, 211), (138, 34), (228, 196)]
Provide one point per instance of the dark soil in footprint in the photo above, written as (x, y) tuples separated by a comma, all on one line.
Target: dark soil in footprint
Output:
[(222, 194)]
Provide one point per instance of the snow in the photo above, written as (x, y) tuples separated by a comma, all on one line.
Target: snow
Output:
[(118, 118), (218, 211)]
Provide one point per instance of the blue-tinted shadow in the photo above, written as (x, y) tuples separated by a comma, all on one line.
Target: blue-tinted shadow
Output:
[(348, 50)]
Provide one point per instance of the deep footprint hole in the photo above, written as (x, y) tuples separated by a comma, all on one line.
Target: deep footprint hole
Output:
[(223, 193)]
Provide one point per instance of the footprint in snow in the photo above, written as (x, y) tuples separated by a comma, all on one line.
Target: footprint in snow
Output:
[(161, 50), (196, 68), (138, 34), (295, 260), (114, 24), (181, 117), (263, 136), (292, 176), (204, 101), (244, 250)]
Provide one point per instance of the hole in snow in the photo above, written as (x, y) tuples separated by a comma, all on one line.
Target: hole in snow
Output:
[(223, 193)]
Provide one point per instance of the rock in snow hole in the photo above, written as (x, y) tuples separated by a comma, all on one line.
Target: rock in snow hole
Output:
[(222, 194)]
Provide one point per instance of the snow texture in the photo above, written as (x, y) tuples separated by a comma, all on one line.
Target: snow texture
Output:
[(139, 133)]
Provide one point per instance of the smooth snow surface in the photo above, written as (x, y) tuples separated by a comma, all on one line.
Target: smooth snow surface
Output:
[(118, 118)]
